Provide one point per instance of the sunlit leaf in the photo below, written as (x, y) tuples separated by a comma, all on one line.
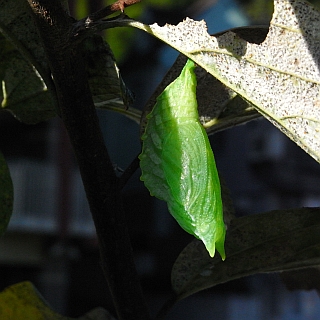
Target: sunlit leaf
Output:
[(123, 40), (219, 107), (270, 242), (280, 76)]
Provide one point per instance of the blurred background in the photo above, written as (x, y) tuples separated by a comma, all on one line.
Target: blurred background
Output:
[(51, 238)]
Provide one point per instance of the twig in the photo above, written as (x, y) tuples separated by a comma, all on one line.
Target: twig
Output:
[(134, 165), (86, 26), (112, 8)]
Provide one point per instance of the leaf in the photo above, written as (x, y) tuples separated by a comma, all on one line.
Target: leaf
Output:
[(106, 84), (23, 91), (6, 195), (280, 76), (27, 87), (22, 301), (23, 65), (178, 165), (16, 24), (270, 242), (219, 107)]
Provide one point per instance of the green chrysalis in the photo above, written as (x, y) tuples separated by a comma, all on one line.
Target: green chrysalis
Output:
[(178, 165)]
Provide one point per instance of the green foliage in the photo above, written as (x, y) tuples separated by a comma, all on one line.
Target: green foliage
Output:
[(178, 165), (273, 71)]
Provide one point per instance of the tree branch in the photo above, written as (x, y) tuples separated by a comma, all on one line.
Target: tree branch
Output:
[(100, 182)]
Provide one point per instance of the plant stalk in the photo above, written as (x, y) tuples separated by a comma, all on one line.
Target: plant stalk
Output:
[(101, 184)]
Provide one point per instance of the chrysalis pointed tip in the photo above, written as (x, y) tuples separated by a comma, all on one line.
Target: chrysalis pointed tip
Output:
[(211, 248)]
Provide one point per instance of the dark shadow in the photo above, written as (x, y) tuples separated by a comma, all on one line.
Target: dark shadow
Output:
[(237, 43)]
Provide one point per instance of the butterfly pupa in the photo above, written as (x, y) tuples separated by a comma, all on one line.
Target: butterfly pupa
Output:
[(178, 164)]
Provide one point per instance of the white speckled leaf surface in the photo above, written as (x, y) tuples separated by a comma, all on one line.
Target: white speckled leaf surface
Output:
[(280, 76)]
